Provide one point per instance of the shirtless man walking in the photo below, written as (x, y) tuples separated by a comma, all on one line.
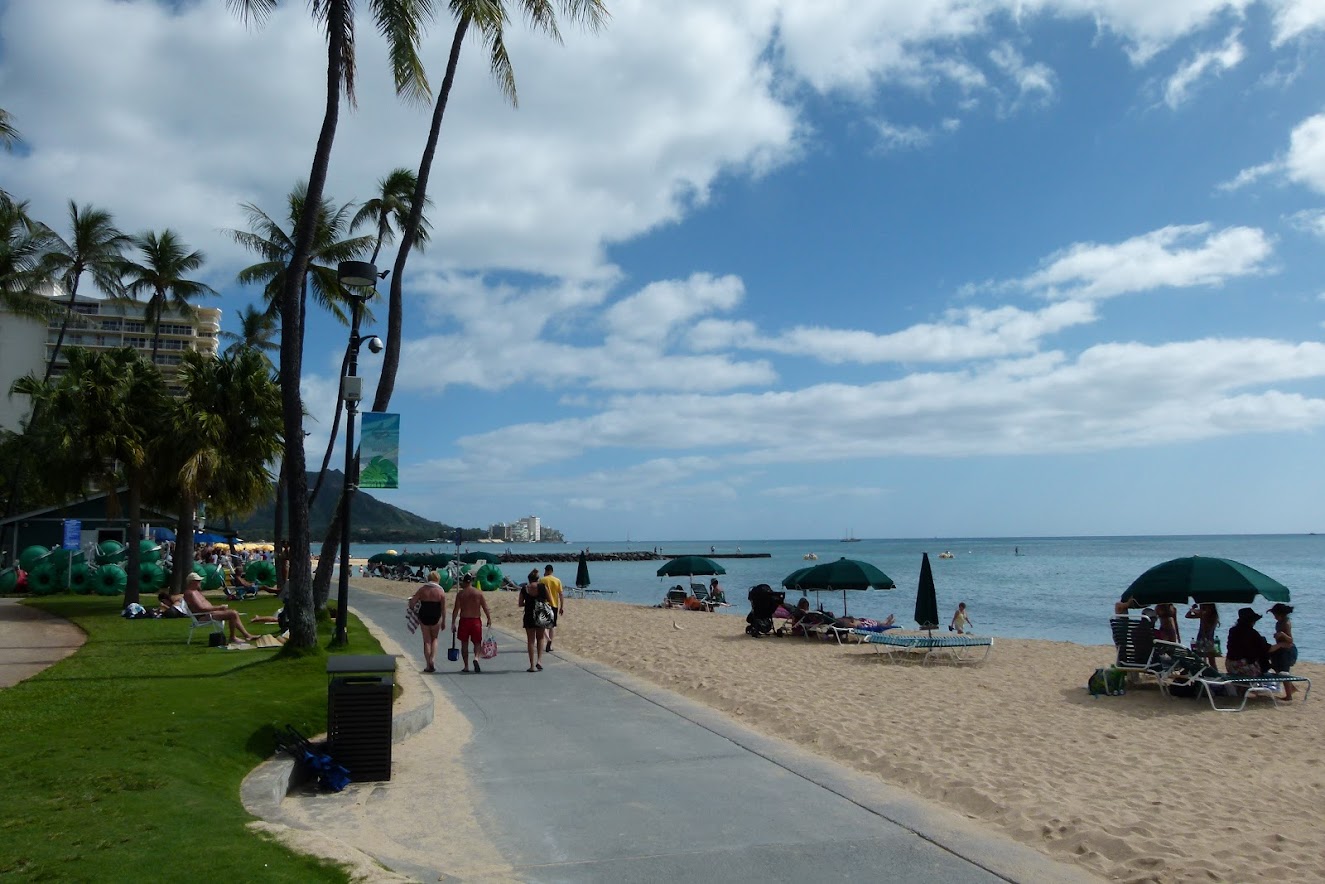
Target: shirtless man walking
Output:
[(431, 601), (469, 602)]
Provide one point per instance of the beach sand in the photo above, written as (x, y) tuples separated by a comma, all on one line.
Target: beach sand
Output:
[(1136, 788)]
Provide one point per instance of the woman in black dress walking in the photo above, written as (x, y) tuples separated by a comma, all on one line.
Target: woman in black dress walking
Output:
[(530, 594)]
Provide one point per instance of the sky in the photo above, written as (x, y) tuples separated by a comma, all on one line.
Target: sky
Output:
[(775, 268)]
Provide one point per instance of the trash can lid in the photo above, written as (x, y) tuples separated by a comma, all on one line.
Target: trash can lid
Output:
[(361, 663)]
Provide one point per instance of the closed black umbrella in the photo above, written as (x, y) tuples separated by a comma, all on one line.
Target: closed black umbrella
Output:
[(927, 603), (582, 572)]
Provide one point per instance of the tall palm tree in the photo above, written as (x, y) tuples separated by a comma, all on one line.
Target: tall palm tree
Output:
[(274, 244), (95, 246), (389, 208), (161, 273), (489, 18), (257, 330), (111, 406), (23, 246), (400, 21)]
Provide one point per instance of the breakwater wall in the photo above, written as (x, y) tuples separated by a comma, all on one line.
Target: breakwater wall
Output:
[(645, 556)]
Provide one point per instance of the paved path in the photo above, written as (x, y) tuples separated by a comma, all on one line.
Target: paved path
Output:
[(586, 774), (31, 640)]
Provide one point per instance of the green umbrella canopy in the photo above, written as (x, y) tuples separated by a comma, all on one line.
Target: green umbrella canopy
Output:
[(1203, 579), (437, 560), (927, 602), (582, 572), (383, 558), (843, 574), (791, 581), (690, 566)]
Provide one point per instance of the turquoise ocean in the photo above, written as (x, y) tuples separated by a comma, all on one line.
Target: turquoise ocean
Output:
[(1055, 588)]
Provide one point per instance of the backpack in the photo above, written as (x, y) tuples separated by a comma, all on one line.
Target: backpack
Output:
[(1109, 682)]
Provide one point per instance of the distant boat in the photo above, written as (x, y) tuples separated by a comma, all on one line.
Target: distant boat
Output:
[(850, 538), (946, 554), (810, 557)]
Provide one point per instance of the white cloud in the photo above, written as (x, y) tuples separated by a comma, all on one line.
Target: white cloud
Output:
[(1293, 18), (1210, 62), (1152, 260), (1034, 82), (1304, 162), (894, 137), (1250, 175), (1310, 221)]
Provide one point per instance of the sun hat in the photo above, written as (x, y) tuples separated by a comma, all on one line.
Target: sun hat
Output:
[(193, 577), (1281, 608), (1248, 614)]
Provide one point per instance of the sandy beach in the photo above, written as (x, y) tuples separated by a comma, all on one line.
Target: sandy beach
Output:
[(1136, 788)]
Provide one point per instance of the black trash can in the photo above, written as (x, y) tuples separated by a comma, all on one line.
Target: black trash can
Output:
[(359, 689)]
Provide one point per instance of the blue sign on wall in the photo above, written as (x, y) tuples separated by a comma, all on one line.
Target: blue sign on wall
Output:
[(73, 533)]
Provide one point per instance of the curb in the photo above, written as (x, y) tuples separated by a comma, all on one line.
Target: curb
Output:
[(266, 786)]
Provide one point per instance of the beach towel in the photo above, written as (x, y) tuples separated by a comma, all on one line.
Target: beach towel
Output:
[(412, 617)]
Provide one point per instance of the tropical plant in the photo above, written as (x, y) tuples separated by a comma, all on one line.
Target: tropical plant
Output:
[(8, 134), (489, 18), (23, 246), (257, 330), (161, 273), (401, 22), (111, 406), (94, 246), (226, 434)]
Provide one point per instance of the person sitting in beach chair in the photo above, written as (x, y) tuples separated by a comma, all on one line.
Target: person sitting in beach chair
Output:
[(240, 586)]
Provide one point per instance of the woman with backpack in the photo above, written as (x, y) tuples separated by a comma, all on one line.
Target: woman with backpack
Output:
[(537, 617)]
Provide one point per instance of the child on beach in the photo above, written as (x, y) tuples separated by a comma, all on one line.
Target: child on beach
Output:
[(961, 624)]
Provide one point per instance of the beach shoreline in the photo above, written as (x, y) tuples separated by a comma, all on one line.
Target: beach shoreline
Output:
[(1136, 788)]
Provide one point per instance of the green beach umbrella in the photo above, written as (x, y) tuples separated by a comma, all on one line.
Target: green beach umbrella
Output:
[(690, 566), (841, 575), (927, 602), (1203, 579), (582, 571), (472, 558)]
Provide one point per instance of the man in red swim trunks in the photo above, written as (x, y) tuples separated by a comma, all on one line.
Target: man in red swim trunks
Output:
[(465, 623)]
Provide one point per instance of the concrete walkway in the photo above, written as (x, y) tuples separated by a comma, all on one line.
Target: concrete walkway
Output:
[(31, 640), (583, 773)]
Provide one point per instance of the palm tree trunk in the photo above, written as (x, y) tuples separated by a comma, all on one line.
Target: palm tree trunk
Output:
[(335, 432), (299, 591), (326, 559), (183, 543), (386, 384), (133, 512), (64, 327), (278, 530)]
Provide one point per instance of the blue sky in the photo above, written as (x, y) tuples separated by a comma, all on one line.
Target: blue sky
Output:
[(779, 268)]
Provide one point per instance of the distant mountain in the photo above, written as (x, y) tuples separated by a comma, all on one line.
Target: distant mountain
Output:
[(372, 520)]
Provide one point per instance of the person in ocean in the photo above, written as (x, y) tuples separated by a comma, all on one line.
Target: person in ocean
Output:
[(430, 601)]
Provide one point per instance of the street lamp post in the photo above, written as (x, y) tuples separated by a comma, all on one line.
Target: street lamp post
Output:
[(358, 277)]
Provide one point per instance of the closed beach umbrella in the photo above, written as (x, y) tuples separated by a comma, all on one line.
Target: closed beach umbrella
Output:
[(842, 575), (927, 602), (690, 566), (1203, 579), (582, 572)]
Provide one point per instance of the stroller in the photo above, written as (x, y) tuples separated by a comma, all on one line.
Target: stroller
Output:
[(764, 600)]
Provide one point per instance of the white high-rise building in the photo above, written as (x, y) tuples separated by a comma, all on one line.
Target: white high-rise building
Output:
[(99, 324)]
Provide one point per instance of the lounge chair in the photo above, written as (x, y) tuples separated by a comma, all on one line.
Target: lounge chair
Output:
[(955, 648), (203, 621), (1137, 650), (1188, 669)]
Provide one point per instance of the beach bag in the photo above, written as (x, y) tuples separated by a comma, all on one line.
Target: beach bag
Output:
[(1109, 682), (216, 640), (542, 614), (488, 649)]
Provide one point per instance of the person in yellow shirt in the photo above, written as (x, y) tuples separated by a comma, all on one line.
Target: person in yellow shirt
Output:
[(553, 585)]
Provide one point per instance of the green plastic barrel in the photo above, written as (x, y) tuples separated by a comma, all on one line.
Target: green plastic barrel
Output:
[(80, 579), (30, 557), (9, 580), (111, 552), (212, 577), (42, 580), (109, 580), (489, 578), (261, 572), (149, 551), (151, 578)]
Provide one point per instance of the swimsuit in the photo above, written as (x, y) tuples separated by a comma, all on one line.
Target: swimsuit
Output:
[(470, 629), (430, 613)]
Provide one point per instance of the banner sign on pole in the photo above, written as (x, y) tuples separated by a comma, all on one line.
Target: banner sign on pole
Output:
[(379, 450), (73, 533)]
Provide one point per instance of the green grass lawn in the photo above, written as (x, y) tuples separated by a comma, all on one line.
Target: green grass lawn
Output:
[(123, 762)]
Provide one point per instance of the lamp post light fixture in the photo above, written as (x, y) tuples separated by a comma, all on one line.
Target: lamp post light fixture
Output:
[(358, 277)]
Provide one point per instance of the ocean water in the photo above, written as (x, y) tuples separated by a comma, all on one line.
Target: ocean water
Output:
[(1057, 588)]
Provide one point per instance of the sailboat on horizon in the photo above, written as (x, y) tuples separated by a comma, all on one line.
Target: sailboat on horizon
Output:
[(850, 538)]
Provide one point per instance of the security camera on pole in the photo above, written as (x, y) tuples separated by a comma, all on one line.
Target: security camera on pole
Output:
[(358, 277)]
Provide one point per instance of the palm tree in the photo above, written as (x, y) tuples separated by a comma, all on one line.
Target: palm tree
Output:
[(165, 261), (111, 405), (95, 246), (489, 17), (275, 245), (257, 328), (23, 246), (226, 433), (8, 134), (400, 21)]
